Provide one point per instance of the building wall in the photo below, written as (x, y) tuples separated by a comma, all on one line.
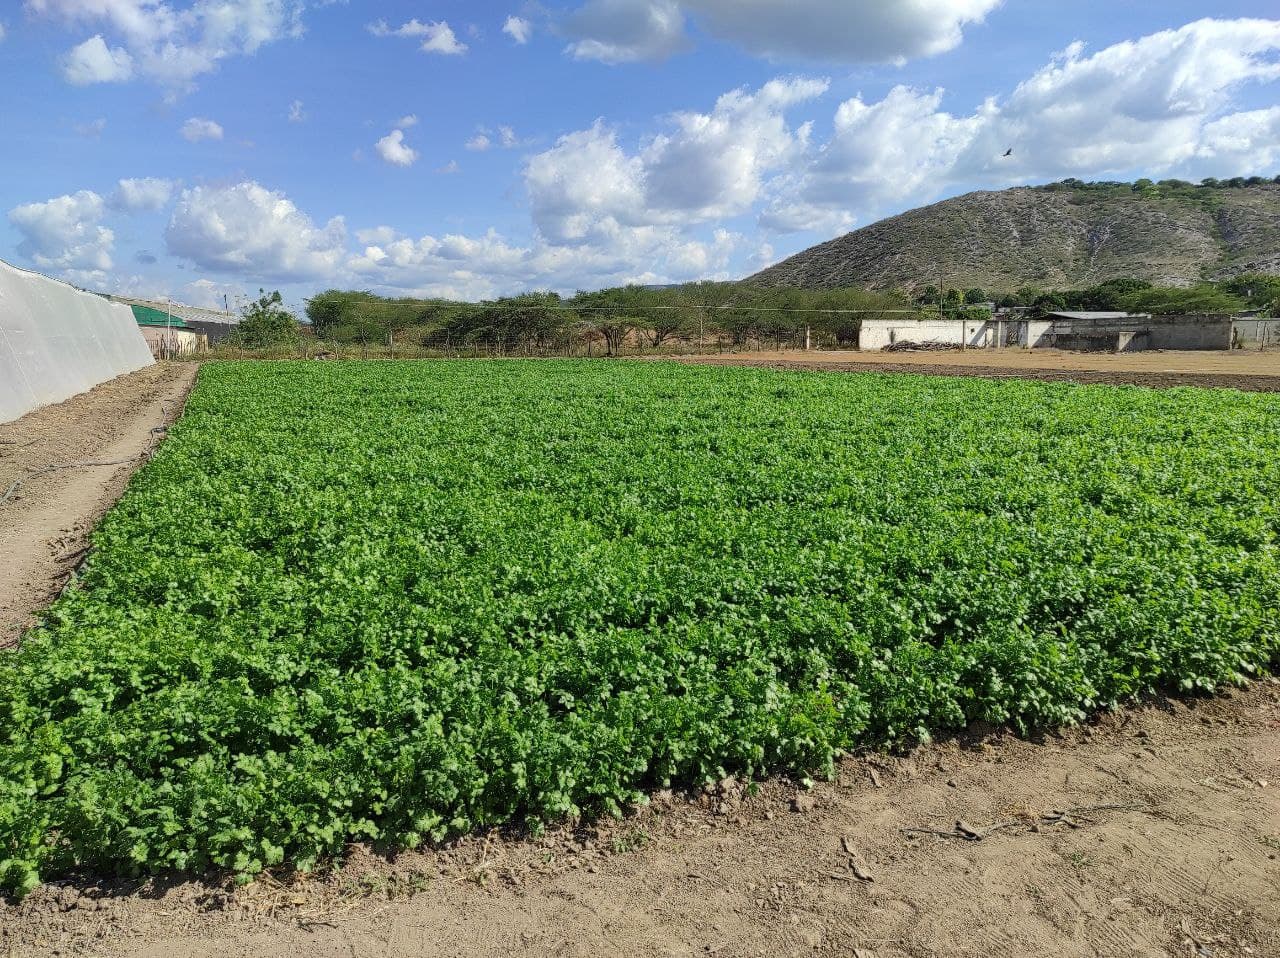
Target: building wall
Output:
[(56, 341), (877, 334), (1130, 334), (214, 331), (1134, 333), (166, 343), (1256, 334)]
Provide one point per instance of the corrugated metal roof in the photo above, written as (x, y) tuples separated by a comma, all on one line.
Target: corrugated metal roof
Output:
[(149, 316), (195, 314)]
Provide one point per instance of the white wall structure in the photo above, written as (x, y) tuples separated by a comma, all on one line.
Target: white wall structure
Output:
[(57, 341), (876, 334)]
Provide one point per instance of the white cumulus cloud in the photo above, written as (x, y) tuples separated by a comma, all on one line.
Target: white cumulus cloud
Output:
[(486, 139), (624, 31), (253, 231), (393, 149), (144, 194), (844, 31), (94, 62), (437, 36), (708, 166), (65, 233), (197, 129), (165, 42), (518, 29), (1158, 105)]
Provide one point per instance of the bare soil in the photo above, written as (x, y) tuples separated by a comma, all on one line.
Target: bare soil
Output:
[(46, 522), (1238, 369)]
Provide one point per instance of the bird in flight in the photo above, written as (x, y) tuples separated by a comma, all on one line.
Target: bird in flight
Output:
[(1009, 152)]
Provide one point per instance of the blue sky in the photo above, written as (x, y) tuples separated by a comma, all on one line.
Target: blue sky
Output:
[(202, 149)]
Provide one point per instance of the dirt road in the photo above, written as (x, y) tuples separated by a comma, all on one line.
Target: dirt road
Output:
[(1239, 369), (45, 523)]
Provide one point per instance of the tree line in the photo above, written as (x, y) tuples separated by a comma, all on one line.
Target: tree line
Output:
[(627, 316), (1254, 291), (707, 314)]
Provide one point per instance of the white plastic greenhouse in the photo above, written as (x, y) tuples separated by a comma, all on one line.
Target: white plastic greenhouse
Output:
[(57, 341)]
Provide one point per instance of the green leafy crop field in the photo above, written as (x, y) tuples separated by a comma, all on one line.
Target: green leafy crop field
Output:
[(392, 602)]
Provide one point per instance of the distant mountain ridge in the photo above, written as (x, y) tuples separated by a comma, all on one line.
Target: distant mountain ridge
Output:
[(1060, 236)]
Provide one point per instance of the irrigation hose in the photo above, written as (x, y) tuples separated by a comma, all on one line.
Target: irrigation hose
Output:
[(22, 480)]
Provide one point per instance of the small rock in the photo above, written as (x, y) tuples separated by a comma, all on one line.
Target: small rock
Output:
[(951, 783), (803, 804)]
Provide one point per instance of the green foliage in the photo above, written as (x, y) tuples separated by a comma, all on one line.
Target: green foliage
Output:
[(1205, 298), (616, 318), (1105, 297), (396, 601), (1125, 294), (355, 316), (1256, 291), (265, 323), (1145, 187), (1048, 303)]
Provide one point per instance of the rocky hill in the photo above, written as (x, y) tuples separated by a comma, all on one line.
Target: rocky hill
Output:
[(1060, 236)]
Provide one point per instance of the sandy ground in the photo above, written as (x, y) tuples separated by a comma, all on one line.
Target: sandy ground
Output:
[(1239, 369), (1154, 831), (45, 524)]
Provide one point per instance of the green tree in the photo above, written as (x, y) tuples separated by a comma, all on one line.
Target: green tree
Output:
[(265, 323), (1047, 303), (1205, 298), (1256, 290)]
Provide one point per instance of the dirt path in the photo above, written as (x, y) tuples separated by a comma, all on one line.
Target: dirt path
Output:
[(1238, 369), (1174, 853), (45, 524)]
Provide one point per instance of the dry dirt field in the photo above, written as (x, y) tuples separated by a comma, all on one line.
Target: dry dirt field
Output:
[(1154, 831), (1241, 369)]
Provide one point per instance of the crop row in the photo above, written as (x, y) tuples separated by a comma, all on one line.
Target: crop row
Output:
[(394, 602)]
